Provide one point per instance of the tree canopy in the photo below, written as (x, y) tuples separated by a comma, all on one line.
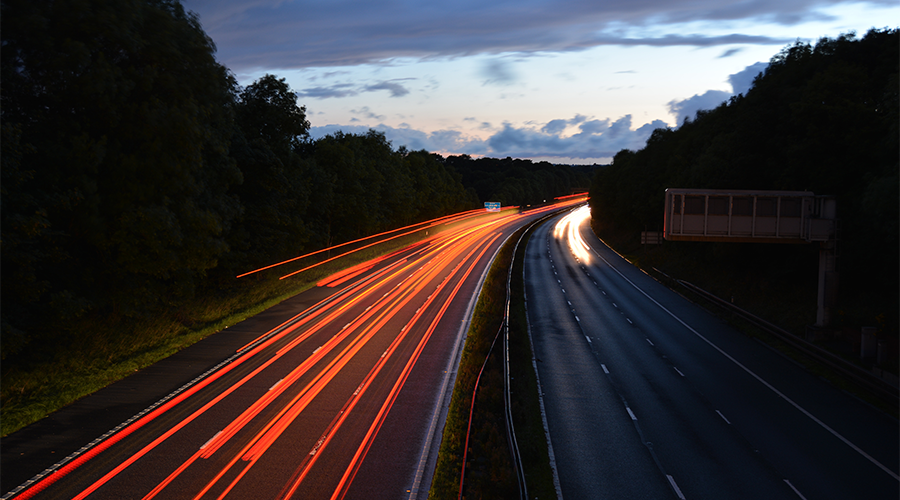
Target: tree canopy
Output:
[(135, 169)]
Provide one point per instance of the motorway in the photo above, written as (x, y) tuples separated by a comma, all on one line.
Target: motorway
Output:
[(342, 399), (647, 395)]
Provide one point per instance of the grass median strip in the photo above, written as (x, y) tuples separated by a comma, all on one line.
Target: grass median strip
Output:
[(489, 473)]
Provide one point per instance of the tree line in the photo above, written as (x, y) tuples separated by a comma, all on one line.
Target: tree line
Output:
[(136, 172), (822, 118), (519, 182)]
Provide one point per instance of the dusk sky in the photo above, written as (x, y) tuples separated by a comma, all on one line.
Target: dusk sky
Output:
[(563, 81)]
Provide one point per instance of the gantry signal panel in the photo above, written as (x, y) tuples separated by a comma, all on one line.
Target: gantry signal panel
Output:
[(748, 216)]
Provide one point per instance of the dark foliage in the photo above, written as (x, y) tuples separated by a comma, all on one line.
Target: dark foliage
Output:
[(117, 116), (136, 173)]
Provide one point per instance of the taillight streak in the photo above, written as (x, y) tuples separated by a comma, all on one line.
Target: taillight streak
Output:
[(252, 451), (213, 446), (364, 447)]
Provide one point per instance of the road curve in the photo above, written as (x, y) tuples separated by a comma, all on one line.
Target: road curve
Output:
[(340, 398), (649, 396)]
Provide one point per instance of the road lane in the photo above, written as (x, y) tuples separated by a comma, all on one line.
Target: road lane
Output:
[(599, 452), (704, 395)]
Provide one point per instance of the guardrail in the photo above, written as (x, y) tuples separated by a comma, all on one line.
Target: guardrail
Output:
[(859, 374)]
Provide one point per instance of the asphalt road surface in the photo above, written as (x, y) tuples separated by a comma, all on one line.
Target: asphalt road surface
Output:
[(338, 393), (649, 396)]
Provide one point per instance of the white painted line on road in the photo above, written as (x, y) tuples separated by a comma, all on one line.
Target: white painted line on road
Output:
[(217, 435), (649, 342), (629, 321), (723, 417), (588, 339), (601, 291), (567, 302), (754, 375), (563, 289), (679, 371), (615, 305), (795, 489), (604, 368), (675, 487), (631, 413), (576, 318)]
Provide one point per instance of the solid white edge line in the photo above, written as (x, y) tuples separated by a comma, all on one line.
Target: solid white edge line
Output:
[(754, 375), (675, 487), (723, 417), (795, 489)]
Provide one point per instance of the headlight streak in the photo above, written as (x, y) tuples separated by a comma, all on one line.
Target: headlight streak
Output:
[(568, 227)]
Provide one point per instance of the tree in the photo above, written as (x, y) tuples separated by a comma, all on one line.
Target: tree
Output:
[(269, 126), (121, 120)]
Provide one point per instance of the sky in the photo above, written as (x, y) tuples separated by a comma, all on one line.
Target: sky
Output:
[(557, 80)]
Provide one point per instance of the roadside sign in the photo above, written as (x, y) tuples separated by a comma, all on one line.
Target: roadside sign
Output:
[(492, 206)]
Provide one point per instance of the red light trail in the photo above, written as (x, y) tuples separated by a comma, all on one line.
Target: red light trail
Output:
[(360, 346)]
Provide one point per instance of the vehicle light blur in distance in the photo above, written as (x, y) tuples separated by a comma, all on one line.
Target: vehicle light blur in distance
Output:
[(567, 228)]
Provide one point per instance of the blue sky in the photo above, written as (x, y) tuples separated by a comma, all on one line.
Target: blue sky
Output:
[(563, 81)]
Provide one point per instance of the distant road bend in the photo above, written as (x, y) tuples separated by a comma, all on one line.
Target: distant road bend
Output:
[(649, 396), (343, 400)]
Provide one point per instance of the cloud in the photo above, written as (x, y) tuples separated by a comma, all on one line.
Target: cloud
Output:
[(743, 80), (597, 140), (366, 112), (688, 108), (498, 72), (729, 53), (252, 35), (339, 90), (394, 88), (740, 84)]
